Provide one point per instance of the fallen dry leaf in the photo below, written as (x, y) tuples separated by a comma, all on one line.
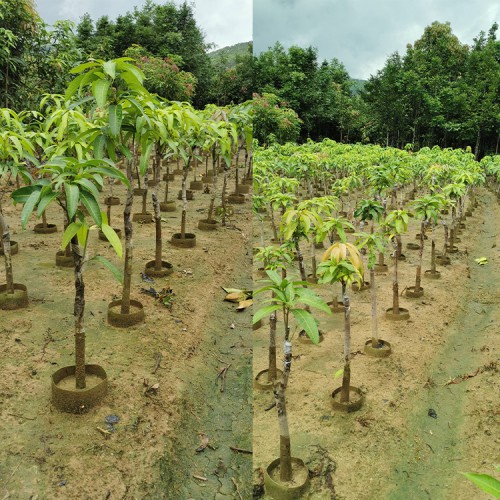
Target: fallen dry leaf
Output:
[(236, 296), (203, 442), (244, 304)]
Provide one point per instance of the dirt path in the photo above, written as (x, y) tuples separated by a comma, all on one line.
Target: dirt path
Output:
[(221, 413)]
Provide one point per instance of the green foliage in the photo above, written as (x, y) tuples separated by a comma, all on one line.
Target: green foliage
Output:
[(319, 93), (439, 92), (341, 263), (486, 482), (369, 210), (274, 257), (289, 296), (163, 30), (274, 121), (163, 75)]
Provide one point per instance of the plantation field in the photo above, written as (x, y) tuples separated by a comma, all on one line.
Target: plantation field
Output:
[(162, 373), (430, 409)]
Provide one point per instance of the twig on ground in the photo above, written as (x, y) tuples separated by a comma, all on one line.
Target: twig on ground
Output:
[(221, 376), (237, 488), (201, 478), (240, 450), (158, 357), (20, 416), (271, 406)]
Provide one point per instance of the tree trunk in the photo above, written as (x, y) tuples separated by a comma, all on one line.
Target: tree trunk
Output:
[(108, 213), (127, 223), (302, 268), (433, 256), (184, 199), (395, 286), (79, 308), (373, 291), (418, 278), (165, 199), (271, 373), (381, 259), (346, 377), (279, 396), (224, 189), (4, 227), (273, 223), (313, 259), (445, 240), (237, 173)]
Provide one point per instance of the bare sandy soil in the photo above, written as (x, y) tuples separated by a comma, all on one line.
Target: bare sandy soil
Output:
[(391, 448), (150, 452)]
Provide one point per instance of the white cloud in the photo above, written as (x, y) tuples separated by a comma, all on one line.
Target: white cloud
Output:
[(363, 33), (224, 22)]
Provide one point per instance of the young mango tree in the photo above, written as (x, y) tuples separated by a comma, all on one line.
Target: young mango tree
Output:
[(395, 224), (273, 259), (297, 224), (14, 147), (341, 263), (374, 242), (371, 211), (454, 192), (288, 296), (116, 90), (70, 183), (425, 209)]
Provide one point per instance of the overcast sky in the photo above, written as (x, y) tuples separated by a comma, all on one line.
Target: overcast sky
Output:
[(363, 33), (224, 22)]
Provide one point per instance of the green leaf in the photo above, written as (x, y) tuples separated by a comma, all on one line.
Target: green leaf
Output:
[(83, 67), (88, 186), (109, 265), (82, 234), (73, 87), (313, 300), (70, 231), (306, 321), (113, 238), (28, 207), (265, 311), (45, 200), (486, 482), (274, 277), (339, 373), (72, 197), (98, 145), (22, 195), (146, 153), (115, 119), (92, 205), (100, 91), (109, 68)]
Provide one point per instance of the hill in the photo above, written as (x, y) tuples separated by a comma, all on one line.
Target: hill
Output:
[(357, 85), (231, 52)]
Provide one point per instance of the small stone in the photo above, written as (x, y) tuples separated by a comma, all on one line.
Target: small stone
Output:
[(432, 413)]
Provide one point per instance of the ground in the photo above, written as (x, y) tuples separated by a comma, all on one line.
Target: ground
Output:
[(151, 453), (391, 448)]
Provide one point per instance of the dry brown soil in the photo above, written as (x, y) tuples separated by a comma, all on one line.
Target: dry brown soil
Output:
[(46, 454), (391, 448)]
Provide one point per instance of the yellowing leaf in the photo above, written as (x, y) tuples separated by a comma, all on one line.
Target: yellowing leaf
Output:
[(236, 297), (244, 304)]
